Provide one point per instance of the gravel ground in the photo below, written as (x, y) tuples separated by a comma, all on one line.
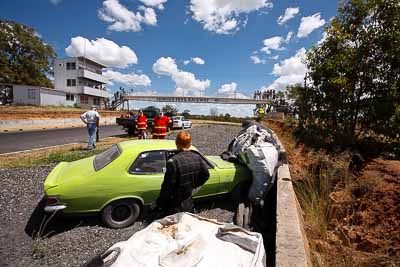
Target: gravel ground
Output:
[(72, 241)]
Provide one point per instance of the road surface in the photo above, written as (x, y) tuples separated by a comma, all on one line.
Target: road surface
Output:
[(18, 141)]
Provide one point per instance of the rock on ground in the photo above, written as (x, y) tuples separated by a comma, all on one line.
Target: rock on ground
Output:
[(73, 241)]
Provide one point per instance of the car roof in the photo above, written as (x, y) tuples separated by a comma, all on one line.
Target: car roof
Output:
[(149, 144)]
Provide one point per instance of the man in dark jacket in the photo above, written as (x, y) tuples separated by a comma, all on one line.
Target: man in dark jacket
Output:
[(186, 172)]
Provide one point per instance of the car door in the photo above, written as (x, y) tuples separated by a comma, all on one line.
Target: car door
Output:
[(147, 173), (213, 184)]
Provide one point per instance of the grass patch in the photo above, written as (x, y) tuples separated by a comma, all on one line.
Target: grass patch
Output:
[(55, 155)]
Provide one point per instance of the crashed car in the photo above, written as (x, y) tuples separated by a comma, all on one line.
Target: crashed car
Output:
[(121, 181)]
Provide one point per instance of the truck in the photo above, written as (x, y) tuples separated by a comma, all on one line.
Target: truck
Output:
[(129, 124)]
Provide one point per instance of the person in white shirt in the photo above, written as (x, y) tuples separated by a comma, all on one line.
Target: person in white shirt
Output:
[(91, 118)]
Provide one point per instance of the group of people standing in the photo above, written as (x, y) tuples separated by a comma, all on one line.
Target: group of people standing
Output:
[(159, 125), (268, 94)]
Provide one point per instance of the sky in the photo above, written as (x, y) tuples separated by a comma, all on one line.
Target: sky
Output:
[(227, 48)]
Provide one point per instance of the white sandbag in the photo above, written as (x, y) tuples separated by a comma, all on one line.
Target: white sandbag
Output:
[(186, 240), (262, 160), (253, 135)]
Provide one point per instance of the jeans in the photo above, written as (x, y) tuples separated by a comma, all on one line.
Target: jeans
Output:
[(92, 135)]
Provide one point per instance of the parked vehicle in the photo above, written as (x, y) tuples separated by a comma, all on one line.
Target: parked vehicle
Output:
[(181, 123), (121, 181)]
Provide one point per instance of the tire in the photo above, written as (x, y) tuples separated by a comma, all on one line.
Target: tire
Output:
[(121, 213)]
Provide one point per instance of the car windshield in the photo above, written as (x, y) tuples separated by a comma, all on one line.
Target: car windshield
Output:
[(106, 157)]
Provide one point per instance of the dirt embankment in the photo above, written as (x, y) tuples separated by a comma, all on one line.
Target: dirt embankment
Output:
[(363, 213), (37, 113)]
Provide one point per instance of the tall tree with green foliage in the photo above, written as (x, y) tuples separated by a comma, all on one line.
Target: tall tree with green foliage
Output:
[(24, 57), (355, 72)]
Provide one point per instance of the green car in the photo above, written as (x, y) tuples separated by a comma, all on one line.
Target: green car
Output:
[(122, 180)]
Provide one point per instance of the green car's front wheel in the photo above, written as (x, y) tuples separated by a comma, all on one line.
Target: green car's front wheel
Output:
[(121, 213)]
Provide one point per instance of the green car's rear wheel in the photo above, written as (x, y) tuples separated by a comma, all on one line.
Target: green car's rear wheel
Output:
[(121, 213)]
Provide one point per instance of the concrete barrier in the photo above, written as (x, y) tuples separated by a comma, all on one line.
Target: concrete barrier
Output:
[(291, 243), (34, 124)]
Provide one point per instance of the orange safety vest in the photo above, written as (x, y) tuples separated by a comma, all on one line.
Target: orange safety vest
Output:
[(141, 122), (160, 125)]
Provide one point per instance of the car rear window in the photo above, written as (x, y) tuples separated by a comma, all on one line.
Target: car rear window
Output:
[(106, 157)]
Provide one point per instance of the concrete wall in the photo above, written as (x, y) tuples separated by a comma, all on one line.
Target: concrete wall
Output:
[(16, 125), (26, 95), (61, 74), (52, 98), (291, 243), (38, 96)]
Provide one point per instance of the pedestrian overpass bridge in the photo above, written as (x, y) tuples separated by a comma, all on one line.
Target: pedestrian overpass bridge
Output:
[(189, 99), (198, 99)]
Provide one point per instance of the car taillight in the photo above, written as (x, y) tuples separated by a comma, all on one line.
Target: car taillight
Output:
[(51, 200)]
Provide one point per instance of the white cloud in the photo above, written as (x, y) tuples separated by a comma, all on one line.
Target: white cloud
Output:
[(195, 60), (154, 3), (290, 13), (122, 19), (55, 2), (309, 24), (198, 60), (165, 66), (185, 82), (290, 71), (257, 60), (227, 88), (275, 43), (230, 90), (103, 51), (224, 16), (288, 37), (132, 79)]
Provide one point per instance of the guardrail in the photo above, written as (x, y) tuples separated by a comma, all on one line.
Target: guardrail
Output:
[(291, 243)]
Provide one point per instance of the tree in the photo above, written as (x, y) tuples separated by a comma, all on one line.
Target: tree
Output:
[(214, 112), (24, 58), (170, 110), (355, 72), (227, 117), (152, 108), (186, 113)]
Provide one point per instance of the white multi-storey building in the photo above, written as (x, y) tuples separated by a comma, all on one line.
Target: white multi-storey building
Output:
[(82, 81)]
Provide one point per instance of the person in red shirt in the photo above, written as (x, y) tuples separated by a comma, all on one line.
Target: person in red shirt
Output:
[(160, 124), (141, 125)]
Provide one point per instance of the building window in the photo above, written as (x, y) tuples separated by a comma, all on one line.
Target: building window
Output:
[(84, 99), (96, 101), (32, 93), (71, 82), (71, 65), (70, 97)]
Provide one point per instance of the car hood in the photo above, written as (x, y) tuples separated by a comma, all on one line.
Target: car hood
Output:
[(66, 172), (220, 163)]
